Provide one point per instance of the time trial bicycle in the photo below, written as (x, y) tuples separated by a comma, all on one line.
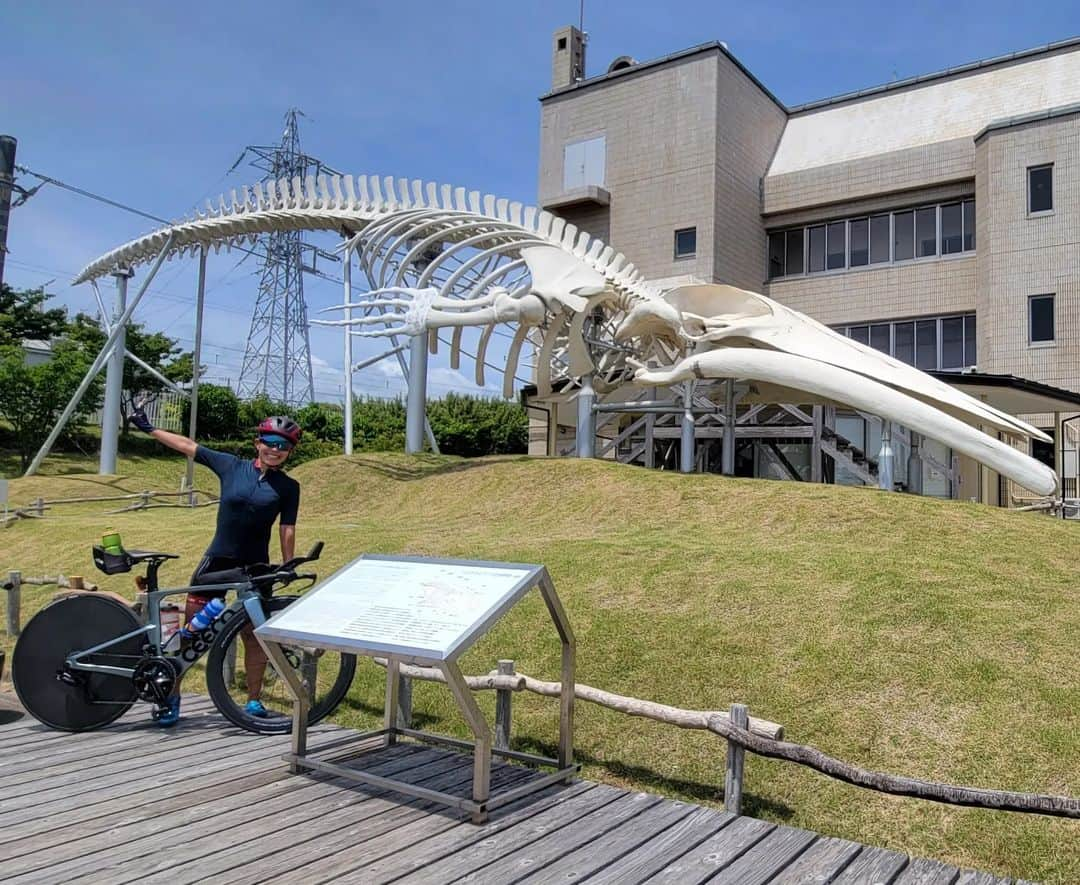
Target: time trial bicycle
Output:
[(83, 661)]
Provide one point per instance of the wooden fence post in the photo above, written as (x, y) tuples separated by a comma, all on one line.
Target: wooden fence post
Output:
[(404, 705), (503, 708), (14, 595), (39, 506), (736, 757)]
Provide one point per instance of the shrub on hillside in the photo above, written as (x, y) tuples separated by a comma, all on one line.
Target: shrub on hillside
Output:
[(219, 413), (472, 426)]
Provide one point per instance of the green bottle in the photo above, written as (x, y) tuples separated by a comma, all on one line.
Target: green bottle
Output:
[(110, 541)]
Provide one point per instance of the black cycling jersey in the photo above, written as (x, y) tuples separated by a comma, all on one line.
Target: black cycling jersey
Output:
[(249, 504)]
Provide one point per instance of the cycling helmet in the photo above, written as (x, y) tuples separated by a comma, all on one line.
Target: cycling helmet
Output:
[(281, 425)]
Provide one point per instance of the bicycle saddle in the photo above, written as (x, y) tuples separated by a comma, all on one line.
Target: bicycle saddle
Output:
[(144, 555)]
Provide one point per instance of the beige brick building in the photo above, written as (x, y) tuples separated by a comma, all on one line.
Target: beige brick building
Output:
[(936, 218)]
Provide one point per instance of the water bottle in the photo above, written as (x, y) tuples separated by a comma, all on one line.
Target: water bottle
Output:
[(204, 617), (110, 541)]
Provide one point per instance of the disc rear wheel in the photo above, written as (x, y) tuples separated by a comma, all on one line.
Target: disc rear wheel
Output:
[(75, 700)]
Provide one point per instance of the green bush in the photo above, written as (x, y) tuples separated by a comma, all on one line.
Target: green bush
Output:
[(471, 426), (219, 413)]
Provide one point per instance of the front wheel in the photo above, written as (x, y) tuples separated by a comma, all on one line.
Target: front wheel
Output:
[(235, 674)]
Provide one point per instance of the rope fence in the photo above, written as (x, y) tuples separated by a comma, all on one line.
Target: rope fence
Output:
[(143, 500), (746, 733)]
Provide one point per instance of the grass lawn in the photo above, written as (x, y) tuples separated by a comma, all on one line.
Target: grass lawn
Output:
[(928, 638)]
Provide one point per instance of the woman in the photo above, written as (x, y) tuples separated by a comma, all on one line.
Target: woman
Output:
[(254, 493)]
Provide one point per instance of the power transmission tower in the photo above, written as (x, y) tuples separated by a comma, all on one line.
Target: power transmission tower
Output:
[(277, 357)]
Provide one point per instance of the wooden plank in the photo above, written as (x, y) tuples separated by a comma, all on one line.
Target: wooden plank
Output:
[(78, 780), (256, 762), (872, 865), (34, 733), (921, 871), (768, 857), (565, 813), (353, 801), (716, 852), (82, 841), (199, 821), (822, 861), (148, 753), (974, 877), (544, 852), (653, 856), (613, 844), (464, 835), (138, 857), (325, 856), (123, 785)]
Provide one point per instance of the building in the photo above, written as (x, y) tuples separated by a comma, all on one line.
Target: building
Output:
[(935, 218)]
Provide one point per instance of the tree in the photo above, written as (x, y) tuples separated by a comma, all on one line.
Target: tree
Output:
[(32, 397), (219, 413), (154, 348), (22, 316)]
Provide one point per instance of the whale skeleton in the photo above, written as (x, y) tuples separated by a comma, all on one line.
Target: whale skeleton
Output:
[(440, 257)]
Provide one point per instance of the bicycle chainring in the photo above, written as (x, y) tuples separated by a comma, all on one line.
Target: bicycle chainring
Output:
[(154, 679)]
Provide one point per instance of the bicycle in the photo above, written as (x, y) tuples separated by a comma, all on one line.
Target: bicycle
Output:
[(83, 661)]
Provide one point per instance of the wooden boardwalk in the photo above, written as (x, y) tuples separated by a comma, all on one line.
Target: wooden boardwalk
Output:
[(204, 801)]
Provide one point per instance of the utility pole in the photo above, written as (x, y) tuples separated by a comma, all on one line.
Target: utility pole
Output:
[(7, 184)]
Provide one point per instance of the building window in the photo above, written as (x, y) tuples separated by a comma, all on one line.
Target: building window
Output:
[(860, 242), (881, 338), (952, 343), (926, 231), (1041, 319), (903, 236), (933, 344), (583, 163), (562, 43), (1040, 189), (926, 352), (969, 225), (952, 228), (837, 245), (686, 242), (776, 254), (904, 346), (795, 252), (879, 239), (817, 248)]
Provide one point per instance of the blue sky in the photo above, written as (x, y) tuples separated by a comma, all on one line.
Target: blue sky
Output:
[(151, 103)]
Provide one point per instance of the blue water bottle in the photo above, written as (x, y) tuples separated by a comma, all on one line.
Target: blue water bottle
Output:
[(204, 617)]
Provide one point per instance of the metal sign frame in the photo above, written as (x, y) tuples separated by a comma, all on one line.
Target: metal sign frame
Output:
[(273, 639)]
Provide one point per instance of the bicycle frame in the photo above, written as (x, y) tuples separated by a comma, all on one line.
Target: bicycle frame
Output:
[(248, 598)]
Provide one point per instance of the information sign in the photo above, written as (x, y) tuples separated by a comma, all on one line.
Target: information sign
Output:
[(420, 608)]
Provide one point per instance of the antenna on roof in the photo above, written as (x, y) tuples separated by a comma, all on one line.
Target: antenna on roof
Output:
[(581, 17)]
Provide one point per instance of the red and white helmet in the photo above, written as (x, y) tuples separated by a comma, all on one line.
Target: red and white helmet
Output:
[(281, 425)]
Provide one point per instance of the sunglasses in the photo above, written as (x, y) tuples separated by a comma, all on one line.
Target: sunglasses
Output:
[(277, 446)]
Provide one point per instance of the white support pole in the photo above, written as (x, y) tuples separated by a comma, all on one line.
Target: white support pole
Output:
[(416, 404), (686, 436), (114, 379), (885, 457), (347, 274), (727, 455), (585, 441), (196, 357), (915, 465), (99, 361)]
